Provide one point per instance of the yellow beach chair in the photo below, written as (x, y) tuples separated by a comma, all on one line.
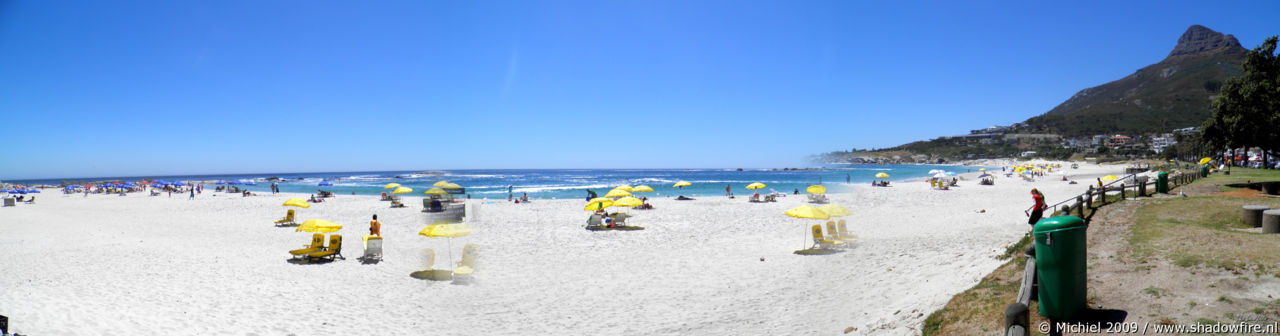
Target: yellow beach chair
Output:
[(287, 220), (317, 244), (332, 252), (467, 266), (821, 242), (844, 232), (429, 272), (833, 234)]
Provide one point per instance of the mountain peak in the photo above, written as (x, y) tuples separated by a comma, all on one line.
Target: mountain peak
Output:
[(1201, 39)]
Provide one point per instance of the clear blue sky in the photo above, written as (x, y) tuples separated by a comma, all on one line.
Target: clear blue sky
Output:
[(105, 88)]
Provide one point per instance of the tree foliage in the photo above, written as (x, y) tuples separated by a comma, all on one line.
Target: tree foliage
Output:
[(1247, 110)]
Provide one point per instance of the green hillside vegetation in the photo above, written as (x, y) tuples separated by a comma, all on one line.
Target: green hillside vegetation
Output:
[(1145, 102)]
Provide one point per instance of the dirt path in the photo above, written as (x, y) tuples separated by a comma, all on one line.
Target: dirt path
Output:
[(1156, 291)]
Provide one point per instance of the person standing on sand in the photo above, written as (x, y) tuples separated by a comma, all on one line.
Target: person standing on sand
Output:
[(848, 179), (509, 194), (375, 227), (193, 194), (726, 190), (1037, 209)]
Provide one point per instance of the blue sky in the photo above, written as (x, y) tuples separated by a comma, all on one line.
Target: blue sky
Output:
[(190, 87)]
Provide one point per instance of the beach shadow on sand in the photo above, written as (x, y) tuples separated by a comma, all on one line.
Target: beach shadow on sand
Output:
[(304, 261), (433, 275)]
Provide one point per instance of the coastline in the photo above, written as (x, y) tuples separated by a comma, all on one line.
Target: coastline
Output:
[(187, 266)]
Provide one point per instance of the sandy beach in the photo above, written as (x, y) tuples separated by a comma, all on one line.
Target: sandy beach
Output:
[(140, 265)]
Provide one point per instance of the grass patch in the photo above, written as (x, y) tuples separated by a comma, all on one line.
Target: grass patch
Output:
[(1241, 175), (1225, 299), (979, 310), (1201, 231), (1013, 250), (1155, 291)]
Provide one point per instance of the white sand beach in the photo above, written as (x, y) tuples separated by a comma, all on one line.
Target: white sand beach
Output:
[(140, 265)]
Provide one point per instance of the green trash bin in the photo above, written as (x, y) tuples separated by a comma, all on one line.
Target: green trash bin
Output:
[(1162, 182), (1060, 266), (1204, 171)]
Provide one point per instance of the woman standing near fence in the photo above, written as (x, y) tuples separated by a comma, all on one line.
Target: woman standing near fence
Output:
[(1037, 210)]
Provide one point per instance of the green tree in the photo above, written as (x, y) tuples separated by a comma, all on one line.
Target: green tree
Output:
[(1247, 111)]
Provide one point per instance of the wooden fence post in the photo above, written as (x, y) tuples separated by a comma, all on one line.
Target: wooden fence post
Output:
[(1080, 206)]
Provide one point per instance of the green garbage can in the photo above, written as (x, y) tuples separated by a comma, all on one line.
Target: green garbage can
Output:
[(1060, 266), (1204, 171), (1162, 182)]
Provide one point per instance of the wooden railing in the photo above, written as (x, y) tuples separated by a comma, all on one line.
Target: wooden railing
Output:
[(1017, 315)]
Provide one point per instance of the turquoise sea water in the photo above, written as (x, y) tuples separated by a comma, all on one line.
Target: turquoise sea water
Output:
[(564, 183)]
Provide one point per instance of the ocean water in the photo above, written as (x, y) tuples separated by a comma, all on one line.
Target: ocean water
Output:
[(564, 183)]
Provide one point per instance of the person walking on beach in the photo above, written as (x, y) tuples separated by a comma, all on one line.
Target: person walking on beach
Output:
[(193, 194), (1037, 209), (727, 192), (375, 227), (848, 179), (509, 194)]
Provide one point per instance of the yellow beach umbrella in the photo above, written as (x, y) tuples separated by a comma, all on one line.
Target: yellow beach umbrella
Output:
[(402, 190), (298, 202), (1110, 178), (436, 191), (446, 229), (641, 188), (441, 184), (391, 186), (624, 187), (756, 185), (982, 169), (1205, 160), (451, 185), (318, 225), (882, 175), (628, 202), (617, 193), (681, 184), (598, 204), (835, 210), (816, 189), (808, 212)]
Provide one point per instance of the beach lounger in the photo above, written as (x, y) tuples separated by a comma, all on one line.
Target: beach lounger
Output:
[(755, 198), (429, 273), (396, 204), (317, 244), (10, 201), (821, 242), (32, 200), (372, 249), (771, 198), (467, 266), (287, 220), (834, 235), (386, 197), (155, 193), (844, 232), (333, 251), (817, 198)]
